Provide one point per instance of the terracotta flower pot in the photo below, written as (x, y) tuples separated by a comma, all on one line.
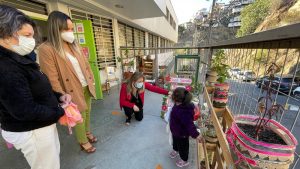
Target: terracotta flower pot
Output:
[(220, 98), (212, 79), (211, 76), (261, 154), (212, 73)]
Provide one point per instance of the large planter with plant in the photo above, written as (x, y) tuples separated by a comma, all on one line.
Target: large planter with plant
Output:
[(260, 142), (272, 148), (220, 95)]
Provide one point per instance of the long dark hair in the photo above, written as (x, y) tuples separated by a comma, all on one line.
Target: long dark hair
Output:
[(181, 95)]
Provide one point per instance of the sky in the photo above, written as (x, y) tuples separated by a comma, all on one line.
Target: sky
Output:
[(185, 9)]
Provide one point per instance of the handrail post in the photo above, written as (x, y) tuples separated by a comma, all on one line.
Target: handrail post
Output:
[(121, 60), (156, 64)]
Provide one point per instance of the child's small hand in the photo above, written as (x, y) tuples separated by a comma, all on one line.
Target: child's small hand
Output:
[(199, 139), (170, 94)]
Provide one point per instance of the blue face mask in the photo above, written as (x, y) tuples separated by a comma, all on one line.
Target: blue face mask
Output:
[(139, 85)]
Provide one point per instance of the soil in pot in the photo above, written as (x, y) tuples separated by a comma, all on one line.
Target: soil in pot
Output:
[(267, 135)]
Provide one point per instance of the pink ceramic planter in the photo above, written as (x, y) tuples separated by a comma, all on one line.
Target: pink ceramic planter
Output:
[(220, 98), (260, 154)]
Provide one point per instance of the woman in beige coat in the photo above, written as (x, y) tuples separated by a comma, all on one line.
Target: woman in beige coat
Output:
[(62, 60)]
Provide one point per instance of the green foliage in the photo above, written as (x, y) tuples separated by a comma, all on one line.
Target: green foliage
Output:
[(219, 66), (131, 63), (252, 15), (181, 29), (119, 59), (196, 86)]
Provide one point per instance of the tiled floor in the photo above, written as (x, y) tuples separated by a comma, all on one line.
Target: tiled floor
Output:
[(142, 145)]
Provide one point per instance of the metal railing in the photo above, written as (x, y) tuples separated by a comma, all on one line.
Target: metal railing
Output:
[(255, 53)]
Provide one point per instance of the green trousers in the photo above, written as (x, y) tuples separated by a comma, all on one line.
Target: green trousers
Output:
[(82, 128)]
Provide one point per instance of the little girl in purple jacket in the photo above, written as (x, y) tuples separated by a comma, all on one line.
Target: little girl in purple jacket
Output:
[(182, 126)]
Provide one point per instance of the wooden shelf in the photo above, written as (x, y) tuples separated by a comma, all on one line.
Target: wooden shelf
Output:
[(148, 68), (221, 149)]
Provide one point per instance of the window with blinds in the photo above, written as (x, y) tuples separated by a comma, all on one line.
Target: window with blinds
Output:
[(152, 43), (104, 38), (163, 45), (170, 18), (131, 37), (27, 5)]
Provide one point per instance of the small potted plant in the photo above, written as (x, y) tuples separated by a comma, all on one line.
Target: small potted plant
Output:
[(221, 87), (260, 141), (130, 69), (212, 74)]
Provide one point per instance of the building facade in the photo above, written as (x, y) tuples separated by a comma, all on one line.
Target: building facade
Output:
[(237, 7)]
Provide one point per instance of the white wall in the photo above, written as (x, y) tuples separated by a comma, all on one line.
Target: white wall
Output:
[(159, 26), (58, 7)]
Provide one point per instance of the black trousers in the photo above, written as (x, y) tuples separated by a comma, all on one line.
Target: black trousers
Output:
[(181, 145), (138, 115)]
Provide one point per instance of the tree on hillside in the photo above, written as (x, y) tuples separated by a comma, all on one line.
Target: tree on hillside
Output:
[(181, 29), (252, 15)]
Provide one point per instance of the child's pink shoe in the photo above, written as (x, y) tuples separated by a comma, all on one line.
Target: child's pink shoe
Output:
[(174, 154), (180, 163)]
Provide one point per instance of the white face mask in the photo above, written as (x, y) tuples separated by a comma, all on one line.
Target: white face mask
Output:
[(26, 45), (139, 85), (68, 36)]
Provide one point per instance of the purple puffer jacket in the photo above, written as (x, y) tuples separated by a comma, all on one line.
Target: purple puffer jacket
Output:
[(181, 121)]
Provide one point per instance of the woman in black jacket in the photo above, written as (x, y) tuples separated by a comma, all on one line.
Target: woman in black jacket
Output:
[(29, 109)]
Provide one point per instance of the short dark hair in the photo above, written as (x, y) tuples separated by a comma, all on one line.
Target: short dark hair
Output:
[(12, 20), (181, 95)]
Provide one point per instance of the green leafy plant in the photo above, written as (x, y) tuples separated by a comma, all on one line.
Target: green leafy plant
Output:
[(196, 86), (131, 63), (218, 65), (119, 59), (126, 52), (252, 15)]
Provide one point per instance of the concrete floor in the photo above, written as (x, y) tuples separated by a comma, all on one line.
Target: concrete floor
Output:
[(142, 145)]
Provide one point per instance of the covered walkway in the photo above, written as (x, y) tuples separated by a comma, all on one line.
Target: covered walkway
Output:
[(142, 145)]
